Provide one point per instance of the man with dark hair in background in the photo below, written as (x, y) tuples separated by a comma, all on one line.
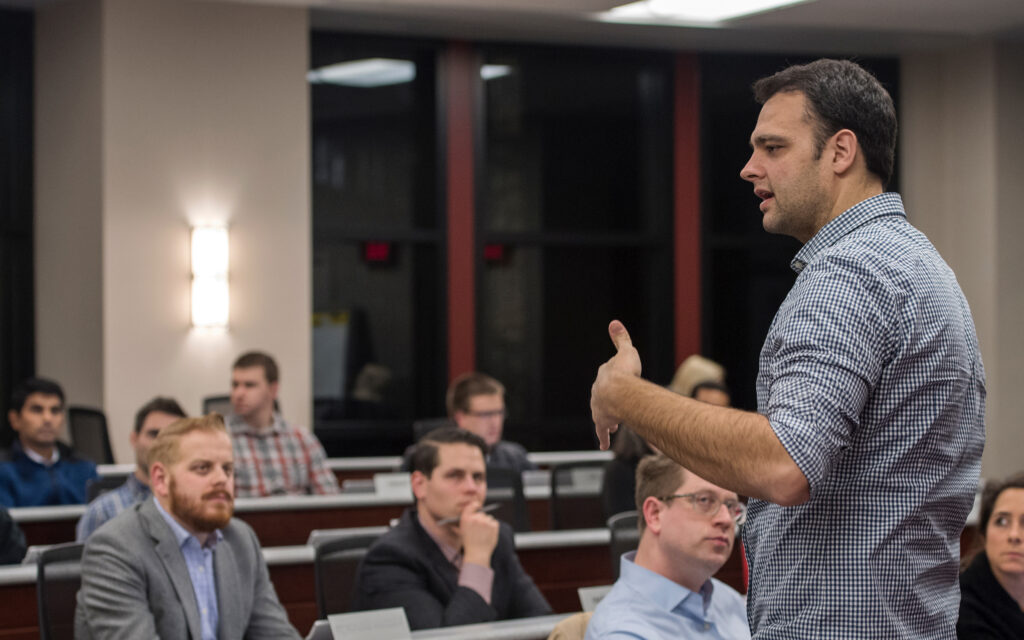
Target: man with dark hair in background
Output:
[(476, 403), (149, 420), (41, 470), (864, 455), (447, 562), (271, 456)]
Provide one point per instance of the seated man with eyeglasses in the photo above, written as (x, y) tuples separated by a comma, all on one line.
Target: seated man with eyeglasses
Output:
[(476, 403), (665, 589)]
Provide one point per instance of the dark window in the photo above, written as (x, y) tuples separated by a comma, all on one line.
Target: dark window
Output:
[(17, 305), (378, 258), (574, 227)]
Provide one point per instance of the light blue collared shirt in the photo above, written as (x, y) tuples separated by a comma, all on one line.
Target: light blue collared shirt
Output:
[(647, 605), (199, 560)]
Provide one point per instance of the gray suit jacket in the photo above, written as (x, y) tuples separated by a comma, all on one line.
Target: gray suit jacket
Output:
[(135, 584)]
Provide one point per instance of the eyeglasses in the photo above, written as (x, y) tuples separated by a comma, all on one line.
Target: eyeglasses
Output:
[(497, 413), (708, 504)]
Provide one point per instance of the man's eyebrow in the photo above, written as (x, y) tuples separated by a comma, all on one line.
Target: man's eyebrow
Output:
[(766, 138)]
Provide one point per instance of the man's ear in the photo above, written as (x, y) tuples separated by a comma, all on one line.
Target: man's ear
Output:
[(159, 480), (458, 418), (12, 417), (844, 150), (273, 389), (418, 480), (651, 513)]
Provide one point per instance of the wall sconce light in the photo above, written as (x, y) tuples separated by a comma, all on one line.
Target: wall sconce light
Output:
[(210, 277)]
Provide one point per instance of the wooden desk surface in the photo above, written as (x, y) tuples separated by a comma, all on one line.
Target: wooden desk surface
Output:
[(287, 520), (559, 562)]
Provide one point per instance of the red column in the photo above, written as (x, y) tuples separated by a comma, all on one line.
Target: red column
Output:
[(460, 71), (686, 204)]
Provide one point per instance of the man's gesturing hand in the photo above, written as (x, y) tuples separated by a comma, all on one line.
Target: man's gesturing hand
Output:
[(626, 361)]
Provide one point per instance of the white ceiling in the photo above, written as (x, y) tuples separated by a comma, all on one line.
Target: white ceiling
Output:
[(856, 26), (840, 26)]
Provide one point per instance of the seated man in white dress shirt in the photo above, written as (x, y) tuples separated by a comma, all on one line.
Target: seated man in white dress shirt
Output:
[(665, 589)]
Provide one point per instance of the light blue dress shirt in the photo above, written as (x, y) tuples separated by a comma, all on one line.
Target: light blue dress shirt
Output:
[(199, 560), (647, 605)]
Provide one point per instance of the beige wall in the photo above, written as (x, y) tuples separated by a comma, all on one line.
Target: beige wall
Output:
[(69, 201), (203, 117), (960, 119), (1005, 453)]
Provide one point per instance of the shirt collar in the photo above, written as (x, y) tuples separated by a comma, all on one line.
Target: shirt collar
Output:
[(38, 459), (136, 486), (181, 535), (886, 204), (238, 424), (667, 594), (450, 553)]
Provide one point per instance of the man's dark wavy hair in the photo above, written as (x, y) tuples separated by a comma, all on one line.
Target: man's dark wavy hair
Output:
[(842, 95), (425, 456)]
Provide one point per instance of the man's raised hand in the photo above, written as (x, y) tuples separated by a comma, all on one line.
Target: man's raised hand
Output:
[(626, 361)]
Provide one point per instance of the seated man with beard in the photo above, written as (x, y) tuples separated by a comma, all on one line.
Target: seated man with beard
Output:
[(178, 565)]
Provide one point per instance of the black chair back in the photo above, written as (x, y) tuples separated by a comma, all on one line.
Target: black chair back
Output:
[(625, 536), (335, 568), (422, 427), (89, 435), (505, 488), (575, 504), (95, 487), (58, 577), (219, 404)]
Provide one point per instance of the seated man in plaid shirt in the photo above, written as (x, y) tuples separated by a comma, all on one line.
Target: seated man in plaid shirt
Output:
[(271, 456)]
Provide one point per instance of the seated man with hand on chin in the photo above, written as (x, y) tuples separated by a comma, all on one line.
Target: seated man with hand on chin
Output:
[(447, 562)]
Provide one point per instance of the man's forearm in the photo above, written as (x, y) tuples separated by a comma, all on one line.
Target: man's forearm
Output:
[(734, 449)]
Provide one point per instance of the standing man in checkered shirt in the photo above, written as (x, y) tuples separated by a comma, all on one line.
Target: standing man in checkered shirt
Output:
[(271, 456), (864, 454)]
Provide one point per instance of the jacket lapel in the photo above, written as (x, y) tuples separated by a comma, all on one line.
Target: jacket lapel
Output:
[(229, 593), (444, 569), (170, 555)]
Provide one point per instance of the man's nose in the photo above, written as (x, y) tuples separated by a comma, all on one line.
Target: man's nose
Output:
[(752, 170), (723, 516)]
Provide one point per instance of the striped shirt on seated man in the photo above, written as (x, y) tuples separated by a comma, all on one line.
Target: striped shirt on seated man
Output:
[(149, 420), (272, 457)]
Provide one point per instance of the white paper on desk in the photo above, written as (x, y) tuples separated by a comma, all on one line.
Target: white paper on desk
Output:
[(536, 478), (591, 596), (392, 485), (382, 624)]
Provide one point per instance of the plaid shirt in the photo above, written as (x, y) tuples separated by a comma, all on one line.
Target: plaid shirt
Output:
[(108, 505), (872, 380), (279, 460)]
